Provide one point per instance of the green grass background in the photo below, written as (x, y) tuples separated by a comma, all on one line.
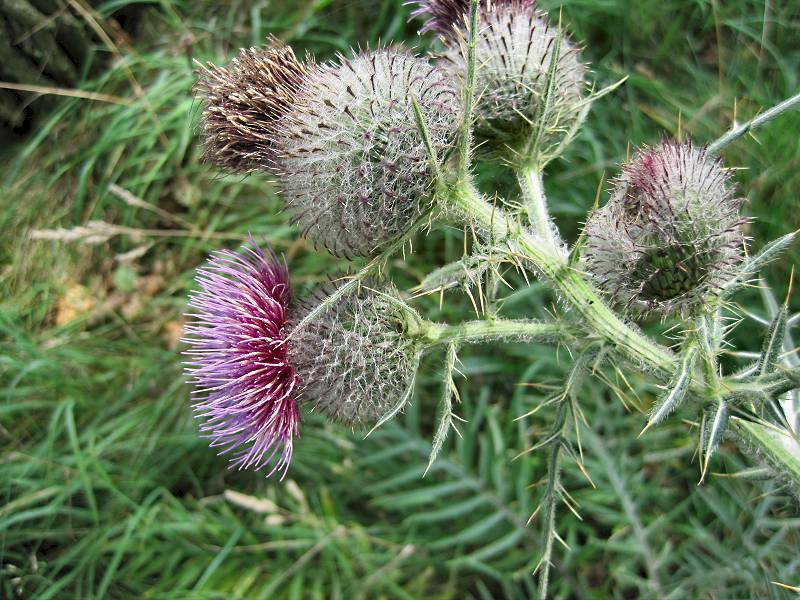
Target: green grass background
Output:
[(106, 489)]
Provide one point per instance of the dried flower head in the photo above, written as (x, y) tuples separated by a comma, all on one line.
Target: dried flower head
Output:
[(530, 79), (355, 360), (247, 390), (671, 233), (354, 168), (244, 104)]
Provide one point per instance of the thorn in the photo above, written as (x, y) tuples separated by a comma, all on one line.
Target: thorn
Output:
[(789, 291)]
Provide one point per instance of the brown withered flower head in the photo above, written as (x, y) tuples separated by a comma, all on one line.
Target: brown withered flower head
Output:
[(245, 102)]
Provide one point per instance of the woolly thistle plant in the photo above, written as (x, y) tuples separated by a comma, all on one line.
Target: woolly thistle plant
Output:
[(368, 146), (670, 236)]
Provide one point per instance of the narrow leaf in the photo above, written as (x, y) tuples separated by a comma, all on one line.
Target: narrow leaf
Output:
[(422, 127), (676, 390), (755, 263), (397, 407), (716, 429), (773, 342), (446, 418)]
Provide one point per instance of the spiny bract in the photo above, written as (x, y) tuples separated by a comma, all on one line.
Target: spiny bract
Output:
[(245, 102), (354, 167), (355, 360), (671, 233), (530, 81)]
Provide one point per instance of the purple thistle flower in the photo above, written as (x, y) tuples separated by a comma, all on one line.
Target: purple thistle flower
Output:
[(446, 15), (238, 362)]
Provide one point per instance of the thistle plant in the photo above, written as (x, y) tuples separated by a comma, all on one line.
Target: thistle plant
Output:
[(372, 148)]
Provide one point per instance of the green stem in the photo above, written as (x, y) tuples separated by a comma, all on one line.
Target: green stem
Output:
[(465, 133), (597, 317), (737, 131), (530, 182), (478, 332)]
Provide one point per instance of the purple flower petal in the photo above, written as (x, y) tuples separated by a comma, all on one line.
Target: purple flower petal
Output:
[(245, 388)]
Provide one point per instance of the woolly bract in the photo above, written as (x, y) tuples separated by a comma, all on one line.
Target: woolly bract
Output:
[(355, 360), (355, 171)]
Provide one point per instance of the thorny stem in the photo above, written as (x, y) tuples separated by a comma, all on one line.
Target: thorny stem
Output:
[(465, 133), (599, 320), (738, 130)]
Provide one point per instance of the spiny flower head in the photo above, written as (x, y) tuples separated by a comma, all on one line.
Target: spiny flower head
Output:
[(671, 233), (247, 391), (354, 168), (356, 360), (530, 80), (245, 102)]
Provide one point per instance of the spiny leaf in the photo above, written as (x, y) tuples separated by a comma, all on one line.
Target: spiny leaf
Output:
[(422, 127), (451, 275), (713, 434), (676, 390), (773, 342), (447, 416), (399, 406), (754, 264)]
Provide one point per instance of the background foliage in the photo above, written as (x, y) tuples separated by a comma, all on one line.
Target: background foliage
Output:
[(108, 492)]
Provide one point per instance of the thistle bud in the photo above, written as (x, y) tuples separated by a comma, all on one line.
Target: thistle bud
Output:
[(245, 102), (671, 233), (354, 167), (356, 360), (530, 81)]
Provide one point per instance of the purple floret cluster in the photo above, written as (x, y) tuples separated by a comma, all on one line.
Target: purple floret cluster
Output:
[(245, 389)]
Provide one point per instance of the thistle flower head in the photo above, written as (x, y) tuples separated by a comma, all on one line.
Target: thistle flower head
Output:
[(245, 102), (246, 389), (355, 360), (530, 81), (354, 167), (671, 233), (444, 16)]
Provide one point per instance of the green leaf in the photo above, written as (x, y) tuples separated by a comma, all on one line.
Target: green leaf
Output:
[(714, 432), (754, 264), (449, 512), (474, 534), (447, 416), (676, 389), (773, 342)]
